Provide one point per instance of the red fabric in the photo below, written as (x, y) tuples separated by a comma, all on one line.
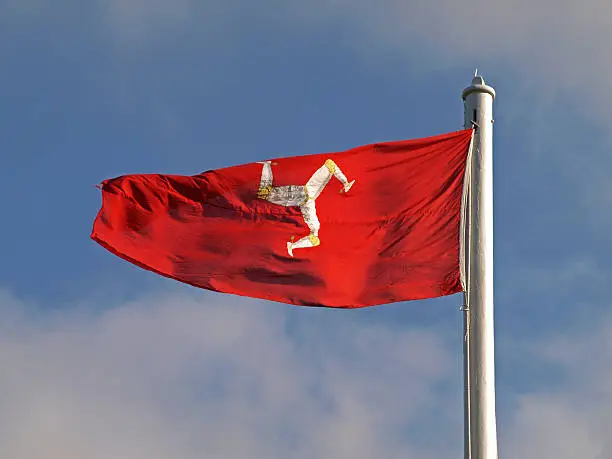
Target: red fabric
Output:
[(394, 236)]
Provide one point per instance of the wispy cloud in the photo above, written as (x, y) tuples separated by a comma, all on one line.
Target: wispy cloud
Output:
[(551, 45), (182, 378), (174, 376), (570, 417), (557, 49)]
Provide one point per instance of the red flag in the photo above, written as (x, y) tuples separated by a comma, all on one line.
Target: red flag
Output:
[(371, 225)]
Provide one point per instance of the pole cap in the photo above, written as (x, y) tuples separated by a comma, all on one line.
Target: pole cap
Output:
[(478, 85)]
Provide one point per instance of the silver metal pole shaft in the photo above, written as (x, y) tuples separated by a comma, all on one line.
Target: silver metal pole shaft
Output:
[(479, 363)]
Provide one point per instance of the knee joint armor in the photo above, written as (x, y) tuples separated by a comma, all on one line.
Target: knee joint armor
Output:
[(314, 240), (331, 166)]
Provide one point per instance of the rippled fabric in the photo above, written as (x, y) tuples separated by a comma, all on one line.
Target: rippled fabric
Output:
[(384, 226)]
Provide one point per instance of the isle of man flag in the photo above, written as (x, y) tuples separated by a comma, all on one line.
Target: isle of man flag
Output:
[(366, 226)]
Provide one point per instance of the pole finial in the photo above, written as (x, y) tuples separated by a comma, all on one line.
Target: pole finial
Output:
[(478, 85), (478, 79)]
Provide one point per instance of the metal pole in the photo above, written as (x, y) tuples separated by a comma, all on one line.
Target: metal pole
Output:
[(479, 361)]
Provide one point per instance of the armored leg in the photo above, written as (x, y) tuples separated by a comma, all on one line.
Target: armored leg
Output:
[(309, 212), (265, 185), (323, 175)]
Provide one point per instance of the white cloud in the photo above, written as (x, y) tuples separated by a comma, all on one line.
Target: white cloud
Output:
[(559, 277), (178, 377), (550, 427), (555, 49), (563, 45), (133, 21), (571, 417), (175, 377)]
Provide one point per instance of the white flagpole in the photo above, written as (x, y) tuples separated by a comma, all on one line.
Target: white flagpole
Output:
[(479, 361)]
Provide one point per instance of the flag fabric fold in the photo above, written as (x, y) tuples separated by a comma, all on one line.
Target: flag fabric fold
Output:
[(371, 225)]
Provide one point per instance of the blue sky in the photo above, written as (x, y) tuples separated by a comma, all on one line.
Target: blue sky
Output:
[(102, 359)]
